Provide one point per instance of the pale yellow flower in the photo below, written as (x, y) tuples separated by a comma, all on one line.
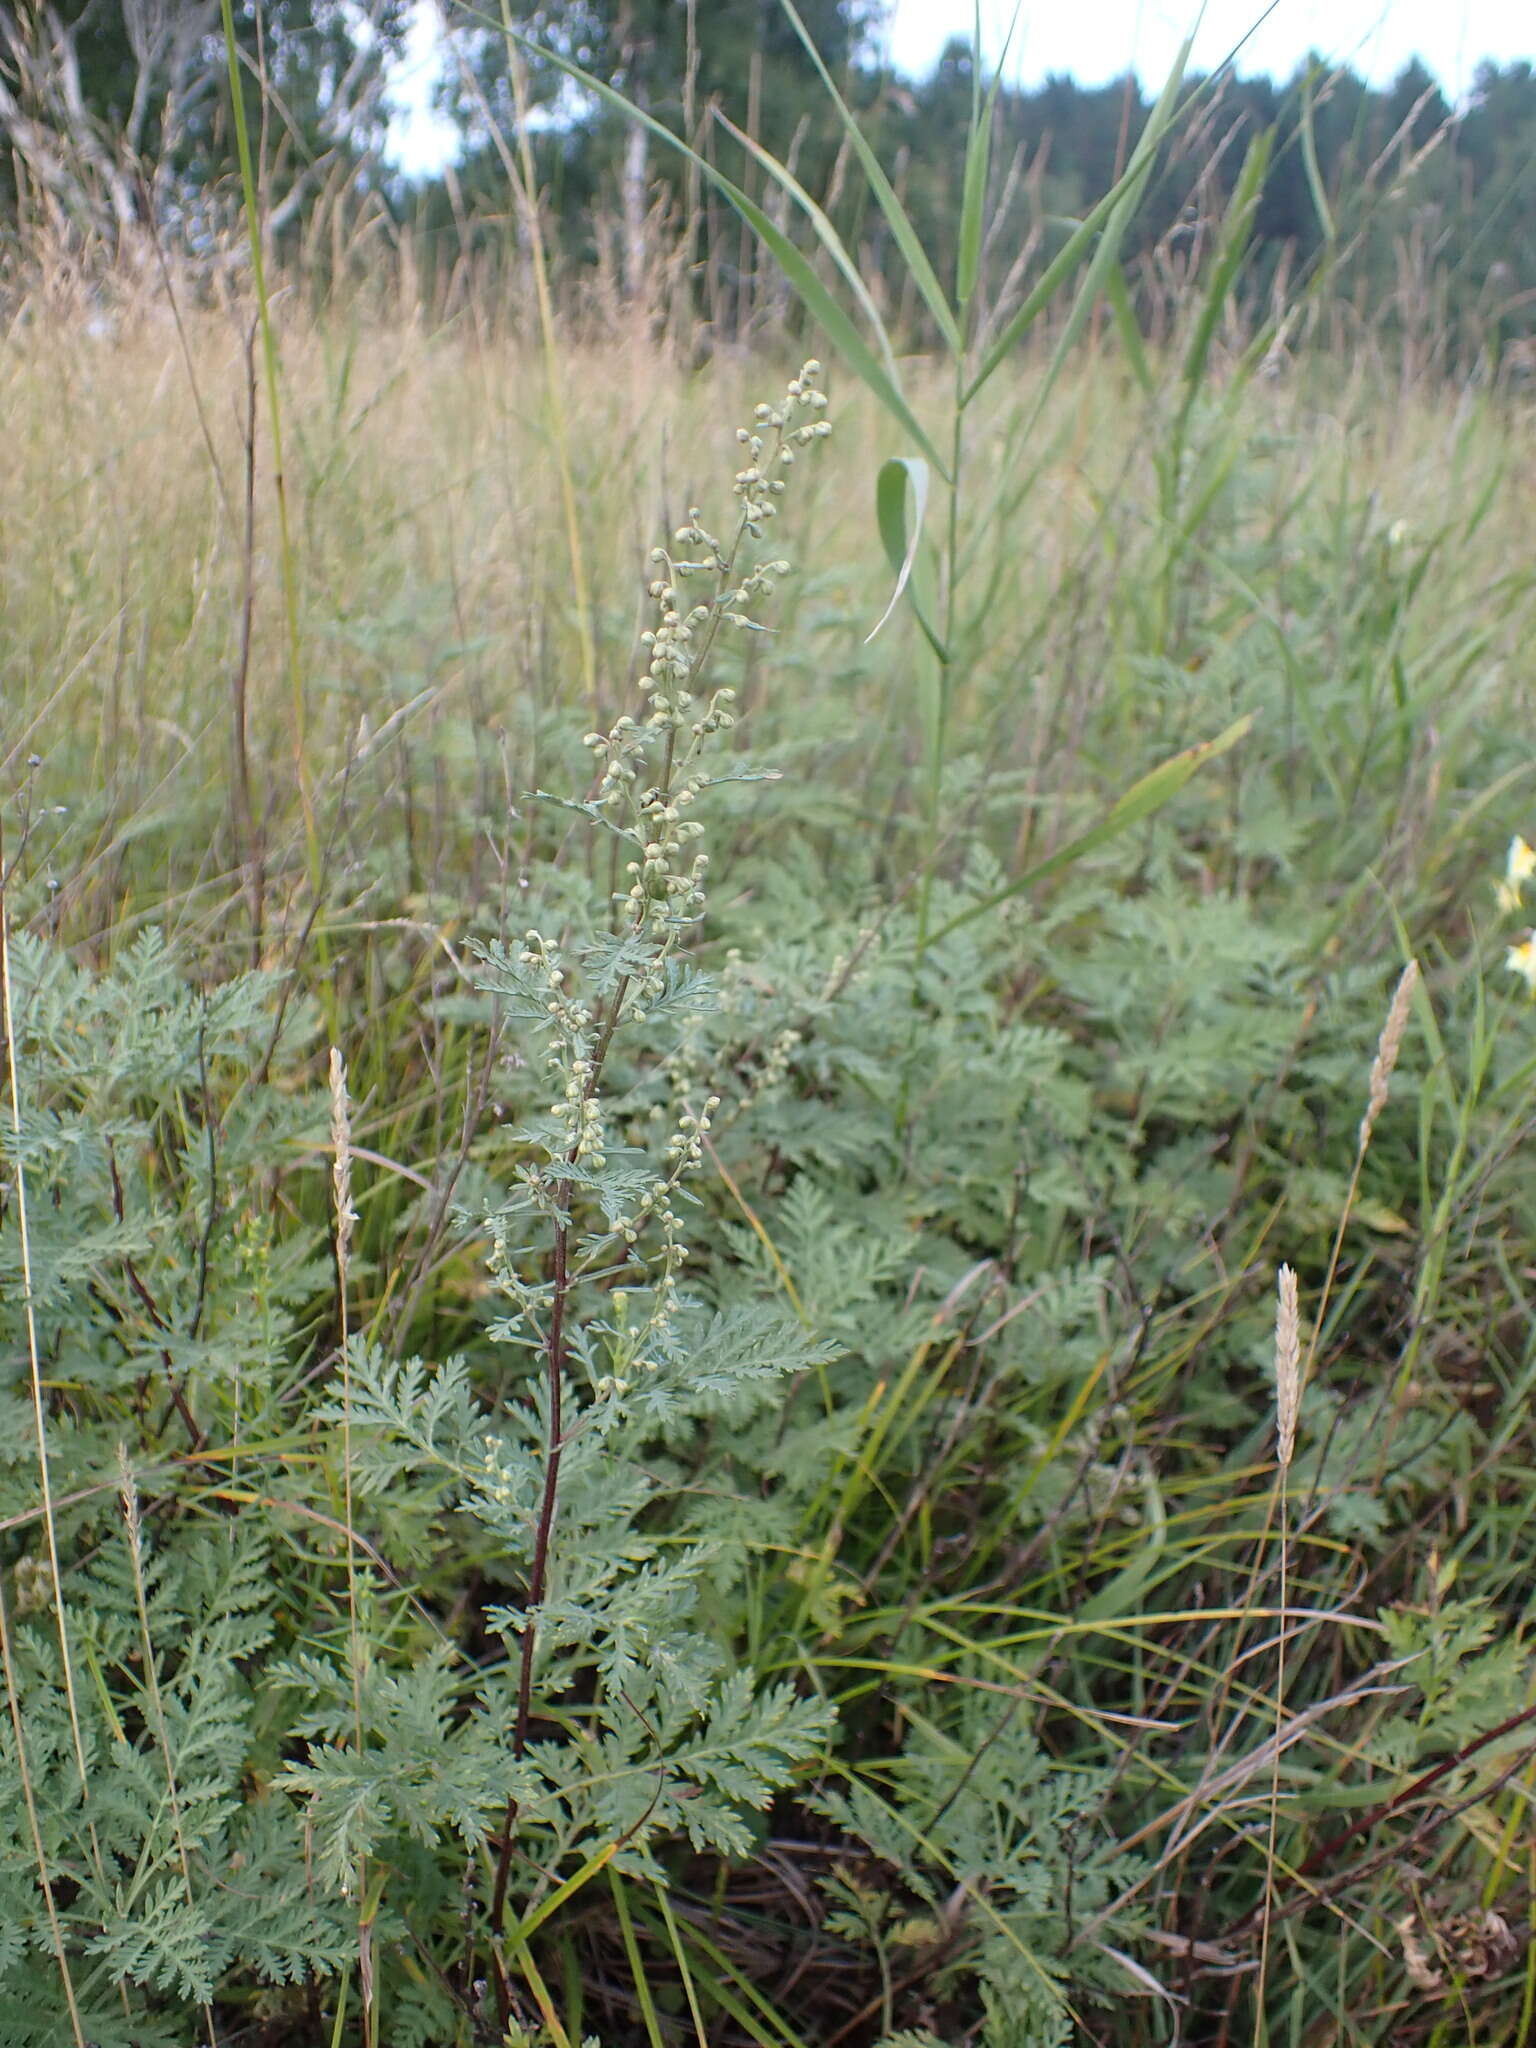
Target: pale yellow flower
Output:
[(1521, 960), (1518, 868)]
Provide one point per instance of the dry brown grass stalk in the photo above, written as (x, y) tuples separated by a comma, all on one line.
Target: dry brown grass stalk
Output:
[(34, 1354), (1388, 1046), (346, 1217), (34, 1826), (1288, 1376)]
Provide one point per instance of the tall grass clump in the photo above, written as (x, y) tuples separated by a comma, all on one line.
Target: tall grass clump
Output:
[(642, 1194)]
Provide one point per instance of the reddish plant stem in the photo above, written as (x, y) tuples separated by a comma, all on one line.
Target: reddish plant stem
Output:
[(555, 1354), (1326, 1854), (538, 1575), (1322, 1857), (555, 1358)]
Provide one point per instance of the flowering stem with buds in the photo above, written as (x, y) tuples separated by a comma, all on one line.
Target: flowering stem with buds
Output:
[(650, 781)]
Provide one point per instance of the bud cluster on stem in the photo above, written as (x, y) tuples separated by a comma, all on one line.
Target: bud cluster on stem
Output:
[(650, 782)]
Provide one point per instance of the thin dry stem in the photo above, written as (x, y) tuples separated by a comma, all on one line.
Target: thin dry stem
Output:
[(1287, 1407), (34, 1827), (346, 1216), (34, 1356), (1388, 1046)]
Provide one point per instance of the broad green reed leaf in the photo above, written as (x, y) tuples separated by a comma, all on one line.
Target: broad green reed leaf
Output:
[(818, 301), (978, 162), (1108, 218), (913, 253), (1309, 156), (904, 477), (1055, 274), (1236, 233), (1117, 292), (978, 158), (825, 232), (829, 315), (1104, 260), (1154, 789)]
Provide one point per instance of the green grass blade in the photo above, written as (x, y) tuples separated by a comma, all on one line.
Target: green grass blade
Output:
[(632, 1956), (1109, 218), (542, 1997), (1117, 292), (913, 253), (1233, 247), (1106, 257), (1055, 274), (978, 159), (978, 162), (1104, 260), (824, 231), (1139, 801), (530, 1925), (1309, 159), (829, 316), (813, 294), (777, 2032), (286, 554)]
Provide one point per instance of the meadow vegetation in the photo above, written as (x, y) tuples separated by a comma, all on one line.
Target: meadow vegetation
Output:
[(605, 1448)]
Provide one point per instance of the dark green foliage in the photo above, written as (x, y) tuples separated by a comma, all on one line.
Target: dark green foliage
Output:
[(1381, 176), (234, 1780), (107, 101)]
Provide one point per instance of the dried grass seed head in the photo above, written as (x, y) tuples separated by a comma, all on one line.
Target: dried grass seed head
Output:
[(1287, 1365), (1388, 1046), (341, 1150)]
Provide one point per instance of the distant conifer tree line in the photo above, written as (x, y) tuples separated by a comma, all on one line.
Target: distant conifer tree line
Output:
[(1422, 213)]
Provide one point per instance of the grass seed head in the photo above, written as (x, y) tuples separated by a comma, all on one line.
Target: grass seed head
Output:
[(1287, 1366), (1388, 1046), (341, 1167)]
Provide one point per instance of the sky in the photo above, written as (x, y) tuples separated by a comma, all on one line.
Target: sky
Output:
[(1095, 40)]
